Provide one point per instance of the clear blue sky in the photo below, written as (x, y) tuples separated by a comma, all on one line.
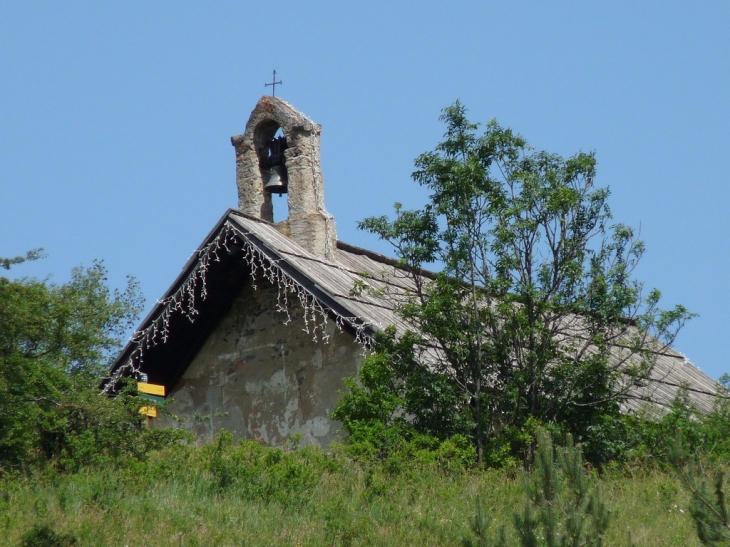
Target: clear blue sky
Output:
[(116, 119)]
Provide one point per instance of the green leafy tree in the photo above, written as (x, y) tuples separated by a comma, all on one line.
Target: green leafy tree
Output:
[(534, 293), (55, 343)]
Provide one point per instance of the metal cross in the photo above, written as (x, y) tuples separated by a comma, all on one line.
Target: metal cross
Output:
[(273, 85)]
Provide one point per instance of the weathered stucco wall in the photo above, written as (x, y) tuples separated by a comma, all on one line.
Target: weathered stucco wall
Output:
[(261, 379)]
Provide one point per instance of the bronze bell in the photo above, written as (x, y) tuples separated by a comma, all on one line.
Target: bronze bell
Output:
[(277, 180)]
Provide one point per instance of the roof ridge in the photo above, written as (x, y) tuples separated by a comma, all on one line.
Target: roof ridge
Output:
[(354, 249)]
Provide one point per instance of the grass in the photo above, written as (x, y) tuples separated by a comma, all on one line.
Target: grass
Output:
[(248, 495)]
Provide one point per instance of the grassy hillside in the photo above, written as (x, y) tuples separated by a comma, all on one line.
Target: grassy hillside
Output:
[(243, 494)]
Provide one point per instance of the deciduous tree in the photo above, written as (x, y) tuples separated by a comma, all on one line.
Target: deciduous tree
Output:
[(55, 343), (533, 297)]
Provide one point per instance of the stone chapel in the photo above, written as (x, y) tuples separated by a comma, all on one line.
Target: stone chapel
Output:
[(260, 329)]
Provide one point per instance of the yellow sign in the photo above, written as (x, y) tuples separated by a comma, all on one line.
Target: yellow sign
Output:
[(148, 411), (152, 389)]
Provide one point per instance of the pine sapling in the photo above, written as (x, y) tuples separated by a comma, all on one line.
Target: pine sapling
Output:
[(479, 526), (709, 512), (564, 506)]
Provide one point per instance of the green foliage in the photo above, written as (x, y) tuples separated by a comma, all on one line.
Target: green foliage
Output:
[(55, 343), (480, 528), (95, 430), (385, 424), (564, 506), (651, 438), (394, 397), (716, 429), (173, 497), (33, 254), (708, 509), (257, 473), (535, 291)]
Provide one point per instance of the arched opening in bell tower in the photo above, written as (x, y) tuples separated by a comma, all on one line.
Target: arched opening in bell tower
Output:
[(271, 142)]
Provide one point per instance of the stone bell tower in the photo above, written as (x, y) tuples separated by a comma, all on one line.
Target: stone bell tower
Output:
[(287, 164)]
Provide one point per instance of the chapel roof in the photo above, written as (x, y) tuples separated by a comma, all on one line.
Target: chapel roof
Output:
[(241, 248)]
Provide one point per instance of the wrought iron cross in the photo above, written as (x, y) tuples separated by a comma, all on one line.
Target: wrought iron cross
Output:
[(273, 85)]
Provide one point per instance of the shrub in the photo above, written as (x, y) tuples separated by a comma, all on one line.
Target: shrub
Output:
[(257, 473)]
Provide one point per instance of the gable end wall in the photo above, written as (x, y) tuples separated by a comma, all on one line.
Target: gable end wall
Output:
[(263, 380)]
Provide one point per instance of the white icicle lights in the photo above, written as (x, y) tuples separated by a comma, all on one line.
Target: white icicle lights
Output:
[(262, 266)]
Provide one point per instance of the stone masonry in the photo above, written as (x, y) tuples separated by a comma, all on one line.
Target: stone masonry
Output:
[(309, 224)]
